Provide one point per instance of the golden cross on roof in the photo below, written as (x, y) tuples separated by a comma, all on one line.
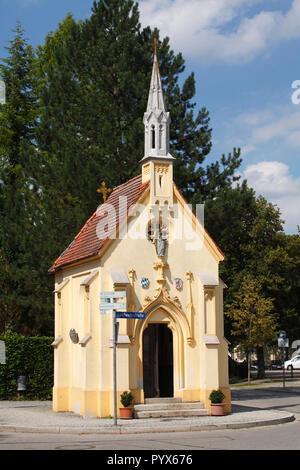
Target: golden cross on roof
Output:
[(104, 190), (155, 45)]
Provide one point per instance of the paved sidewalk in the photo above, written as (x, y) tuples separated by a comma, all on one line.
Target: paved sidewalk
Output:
[(37, 416)]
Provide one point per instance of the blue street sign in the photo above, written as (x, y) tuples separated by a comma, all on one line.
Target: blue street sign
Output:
[(140, 315)]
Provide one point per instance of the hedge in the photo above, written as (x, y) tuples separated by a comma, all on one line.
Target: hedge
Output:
[(31, 356)]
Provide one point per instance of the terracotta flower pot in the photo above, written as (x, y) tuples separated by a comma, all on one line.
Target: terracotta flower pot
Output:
[(126, 413), (218, 409)]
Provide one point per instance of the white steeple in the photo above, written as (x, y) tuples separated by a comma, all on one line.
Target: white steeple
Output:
[(156, 118), (157, 164)]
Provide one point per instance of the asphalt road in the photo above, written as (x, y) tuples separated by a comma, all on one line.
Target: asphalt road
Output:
[(277, 437)]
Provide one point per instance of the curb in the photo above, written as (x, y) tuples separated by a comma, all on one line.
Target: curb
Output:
[(289, 417)]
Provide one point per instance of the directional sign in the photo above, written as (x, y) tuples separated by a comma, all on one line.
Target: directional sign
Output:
[(109, 301), (106, 307), (283, 342), (141, 315), (113, 295)]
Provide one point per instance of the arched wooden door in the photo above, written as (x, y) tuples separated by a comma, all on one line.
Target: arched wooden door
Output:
[(158, 361)]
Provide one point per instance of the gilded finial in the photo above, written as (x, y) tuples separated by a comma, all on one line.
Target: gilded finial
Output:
[(156, 45), (103, 190)]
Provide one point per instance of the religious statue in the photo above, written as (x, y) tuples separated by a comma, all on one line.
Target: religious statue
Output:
[(161, 241)]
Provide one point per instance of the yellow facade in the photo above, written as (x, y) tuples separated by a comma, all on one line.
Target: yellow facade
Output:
[(83, 380), (179, 348)]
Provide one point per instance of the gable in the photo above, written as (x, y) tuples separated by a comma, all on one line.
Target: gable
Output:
[(199, 226), (101, 227)]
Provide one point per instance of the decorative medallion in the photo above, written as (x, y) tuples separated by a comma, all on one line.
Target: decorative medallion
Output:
[(178, 283), (73, 335), (145, 282)]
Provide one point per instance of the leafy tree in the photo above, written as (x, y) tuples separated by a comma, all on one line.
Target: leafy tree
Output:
[(250, 232), (252, 317)]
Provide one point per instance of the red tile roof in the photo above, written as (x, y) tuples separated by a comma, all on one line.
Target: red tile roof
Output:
[(87, 243)]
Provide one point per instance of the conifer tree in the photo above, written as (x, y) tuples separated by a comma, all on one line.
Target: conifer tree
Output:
[(97, 76), (20, 300)]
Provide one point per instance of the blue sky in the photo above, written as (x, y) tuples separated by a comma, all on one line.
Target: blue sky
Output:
[(245, 55)]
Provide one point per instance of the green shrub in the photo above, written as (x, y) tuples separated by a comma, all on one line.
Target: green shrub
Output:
[(216, 396), (31, 356), (126, 399)]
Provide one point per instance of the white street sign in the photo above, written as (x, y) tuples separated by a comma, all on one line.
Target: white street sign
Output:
[(113, 295), (106, 307), (283, 342)]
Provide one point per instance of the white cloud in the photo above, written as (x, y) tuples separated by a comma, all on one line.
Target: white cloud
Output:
[(279, 123), (273, 180), (204, 29), (247, 149)]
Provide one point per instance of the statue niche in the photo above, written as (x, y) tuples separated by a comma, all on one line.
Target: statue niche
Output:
[(158, 235)]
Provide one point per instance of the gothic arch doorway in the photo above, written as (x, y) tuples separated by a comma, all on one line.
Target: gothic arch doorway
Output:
[(158, 370)]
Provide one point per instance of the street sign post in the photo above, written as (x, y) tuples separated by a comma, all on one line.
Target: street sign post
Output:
[(107, 305), (283, 342)]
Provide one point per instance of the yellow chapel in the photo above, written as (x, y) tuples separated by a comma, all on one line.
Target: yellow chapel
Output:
[(145, 241)]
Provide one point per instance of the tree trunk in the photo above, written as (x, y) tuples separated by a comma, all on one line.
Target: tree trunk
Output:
[(260, 362)]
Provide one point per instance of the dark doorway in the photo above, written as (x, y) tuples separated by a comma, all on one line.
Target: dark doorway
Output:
[(158, 361)]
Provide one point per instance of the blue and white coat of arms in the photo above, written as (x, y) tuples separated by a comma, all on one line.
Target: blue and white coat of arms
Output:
[(145, 282)]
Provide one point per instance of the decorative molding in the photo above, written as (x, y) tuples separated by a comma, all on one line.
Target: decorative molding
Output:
[(190, 306), (162, 168), (57, 341), (131, 305), (160, 266), (88, 280), (211, 339), (61, 286), (162, 297), (209, 292), (83, 342)]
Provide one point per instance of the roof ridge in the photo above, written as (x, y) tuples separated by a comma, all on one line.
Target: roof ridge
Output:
[(123, 184)]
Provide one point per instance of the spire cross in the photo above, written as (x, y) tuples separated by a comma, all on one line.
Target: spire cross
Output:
[(103, 190), (155, 45)]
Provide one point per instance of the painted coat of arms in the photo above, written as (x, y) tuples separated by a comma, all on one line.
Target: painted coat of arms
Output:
[(178, 283), (145, 282)]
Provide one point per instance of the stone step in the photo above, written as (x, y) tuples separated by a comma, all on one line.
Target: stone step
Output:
[(170, 413), (169, 406), (149, 401)]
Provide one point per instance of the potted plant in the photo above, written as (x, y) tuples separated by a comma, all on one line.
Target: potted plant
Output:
[(126, 399), (217, 406)]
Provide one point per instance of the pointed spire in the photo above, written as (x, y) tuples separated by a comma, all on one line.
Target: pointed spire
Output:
[(156, 99), (156, 117)]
